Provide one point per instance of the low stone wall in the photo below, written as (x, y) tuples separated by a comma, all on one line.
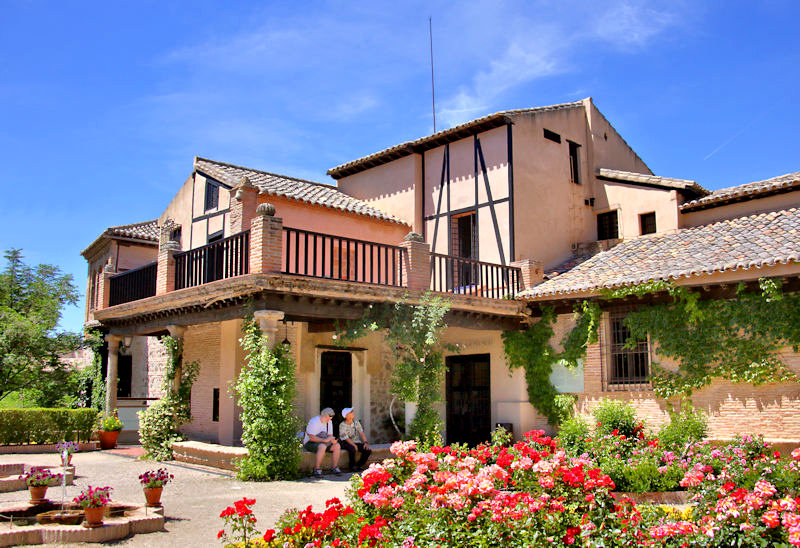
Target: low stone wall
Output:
[(10, 480), (224, 457), (43, 448)]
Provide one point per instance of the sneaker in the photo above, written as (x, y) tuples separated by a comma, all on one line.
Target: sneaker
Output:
[(336, 471), (317, 473)]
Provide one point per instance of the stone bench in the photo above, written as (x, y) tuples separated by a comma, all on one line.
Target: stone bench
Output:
[(380, 451)]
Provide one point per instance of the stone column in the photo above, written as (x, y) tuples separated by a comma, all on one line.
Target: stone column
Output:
[(111, 373), (266, 240), (416, 269), (229, 366), (532, 272), (167, 248), (177, 332), (104, 287), (268, 322)]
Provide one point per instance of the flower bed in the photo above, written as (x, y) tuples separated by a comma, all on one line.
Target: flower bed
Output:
[(533, 493)]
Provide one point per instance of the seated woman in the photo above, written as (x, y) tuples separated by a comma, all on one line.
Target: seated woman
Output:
[(352, 438), (319, 439)]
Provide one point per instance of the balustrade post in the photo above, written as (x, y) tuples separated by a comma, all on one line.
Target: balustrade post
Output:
[(266, 240), (167, 248), (104, 286), (532, 272), (416, 262), (244, 199)]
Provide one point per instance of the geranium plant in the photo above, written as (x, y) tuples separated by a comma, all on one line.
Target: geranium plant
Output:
[(240, 520), (40, 477), (111, 424), (153, 479), (94, 497)]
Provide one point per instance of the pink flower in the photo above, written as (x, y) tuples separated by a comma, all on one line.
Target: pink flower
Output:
[(764, 489)]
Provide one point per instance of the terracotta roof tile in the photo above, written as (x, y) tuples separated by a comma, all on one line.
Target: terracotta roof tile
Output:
[(748, 191), (748, 242), (290, 187), (146, 230), (654, 180)]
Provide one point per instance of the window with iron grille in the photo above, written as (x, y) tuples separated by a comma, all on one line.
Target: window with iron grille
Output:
[(627, 365), (574, 162), (607, 226), (215, 405), (212, 195), (647, 223)]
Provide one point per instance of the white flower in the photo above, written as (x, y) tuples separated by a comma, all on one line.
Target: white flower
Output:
[(334, 337)]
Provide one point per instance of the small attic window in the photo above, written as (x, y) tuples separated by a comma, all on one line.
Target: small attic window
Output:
[(552, 136), (212, 195)]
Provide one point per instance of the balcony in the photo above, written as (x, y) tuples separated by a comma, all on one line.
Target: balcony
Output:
[(225, 258), (462, 276), (133, 285)]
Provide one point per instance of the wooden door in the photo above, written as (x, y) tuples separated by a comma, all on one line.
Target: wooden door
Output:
[(468, 399), (336, 384)]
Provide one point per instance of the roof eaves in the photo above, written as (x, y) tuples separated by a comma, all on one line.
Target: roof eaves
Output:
[(739, 193)]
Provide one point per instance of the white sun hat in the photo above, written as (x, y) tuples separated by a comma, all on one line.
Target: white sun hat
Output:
[(346, 411)]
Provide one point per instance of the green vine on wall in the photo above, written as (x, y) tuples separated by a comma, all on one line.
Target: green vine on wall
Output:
[(93, 339), (414, 334), (531, 351), (159, 424)]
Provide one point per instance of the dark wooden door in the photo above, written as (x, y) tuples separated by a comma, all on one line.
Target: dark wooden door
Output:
[(336, 384), (124, 376), (468, 399)]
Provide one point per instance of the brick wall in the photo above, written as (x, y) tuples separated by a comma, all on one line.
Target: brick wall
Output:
[(149, 358), (202, 344), (772, 409)]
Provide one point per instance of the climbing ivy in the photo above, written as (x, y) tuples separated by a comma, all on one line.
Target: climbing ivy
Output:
[(413, 332), (737, 339), (93, 339), (530, 350), (159, 424)]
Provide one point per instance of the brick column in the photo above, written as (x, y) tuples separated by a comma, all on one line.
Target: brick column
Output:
[(268, 322), (244, 199), (112, 372), (167, 248), (416, 269), (104, 286), (532, 272), (266, 240)]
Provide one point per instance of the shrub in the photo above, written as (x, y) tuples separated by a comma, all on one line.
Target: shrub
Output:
[(573, 433), (617, 415), (156, 430), (564, 406), (40, 425), (266, 389), (686, 425)]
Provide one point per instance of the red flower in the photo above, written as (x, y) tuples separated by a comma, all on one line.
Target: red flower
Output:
[(221, 532), (269, 535)]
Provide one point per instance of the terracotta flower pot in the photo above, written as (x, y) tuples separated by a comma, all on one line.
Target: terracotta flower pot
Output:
[(108, 440), (37, 494), (93, 516), (153, 496), (69, 459)]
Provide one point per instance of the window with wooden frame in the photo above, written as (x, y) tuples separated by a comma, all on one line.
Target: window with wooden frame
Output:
[(93, 290), (574, 162), (608, 225), (212, 195), (464, 242), (647, 223), (628, 364)]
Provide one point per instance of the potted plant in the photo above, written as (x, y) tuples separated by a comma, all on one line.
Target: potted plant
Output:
[(109, 431), (38, 481), (153, 482), (70, 447), (94, 501)]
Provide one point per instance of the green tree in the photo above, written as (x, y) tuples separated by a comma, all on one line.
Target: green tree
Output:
[(31, 302)]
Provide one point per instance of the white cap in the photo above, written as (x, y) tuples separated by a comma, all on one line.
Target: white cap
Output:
[(346, 411)]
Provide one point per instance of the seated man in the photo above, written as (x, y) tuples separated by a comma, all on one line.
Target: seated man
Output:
[(353, 439), (319, 438)]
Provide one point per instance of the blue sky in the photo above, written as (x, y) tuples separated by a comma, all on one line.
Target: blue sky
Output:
[(103, 105)]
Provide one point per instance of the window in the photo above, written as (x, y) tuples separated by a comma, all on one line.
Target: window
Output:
[(465, 245), (175, 235), (212, 195), (217, 236), (627, 365), (215, 406), (93, 291), (574, 163), (647, 223), (607, 226), (552, 136)]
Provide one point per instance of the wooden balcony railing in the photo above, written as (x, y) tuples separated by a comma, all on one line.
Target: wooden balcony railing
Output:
[(461, 276), (133, 285), (307, 253), (216, 261)]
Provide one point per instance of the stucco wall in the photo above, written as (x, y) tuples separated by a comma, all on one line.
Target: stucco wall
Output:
[(631, 201), (130, 256)]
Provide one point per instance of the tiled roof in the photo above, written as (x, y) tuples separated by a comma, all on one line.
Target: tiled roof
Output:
[(749, 191), (652, 180), (755, 241), (290, 187), (439, 138), (147, 230)]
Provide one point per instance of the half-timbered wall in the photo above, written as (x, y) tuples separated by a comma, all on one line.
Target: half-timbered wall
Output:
[(470, 175)]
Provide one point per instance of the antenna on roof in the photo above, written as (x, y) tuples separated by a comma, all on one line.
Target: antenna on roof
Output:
[(433, 88)]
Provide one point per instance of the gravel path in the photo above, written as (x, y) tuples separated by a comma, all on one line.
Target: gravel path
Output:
[(192, 502)]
